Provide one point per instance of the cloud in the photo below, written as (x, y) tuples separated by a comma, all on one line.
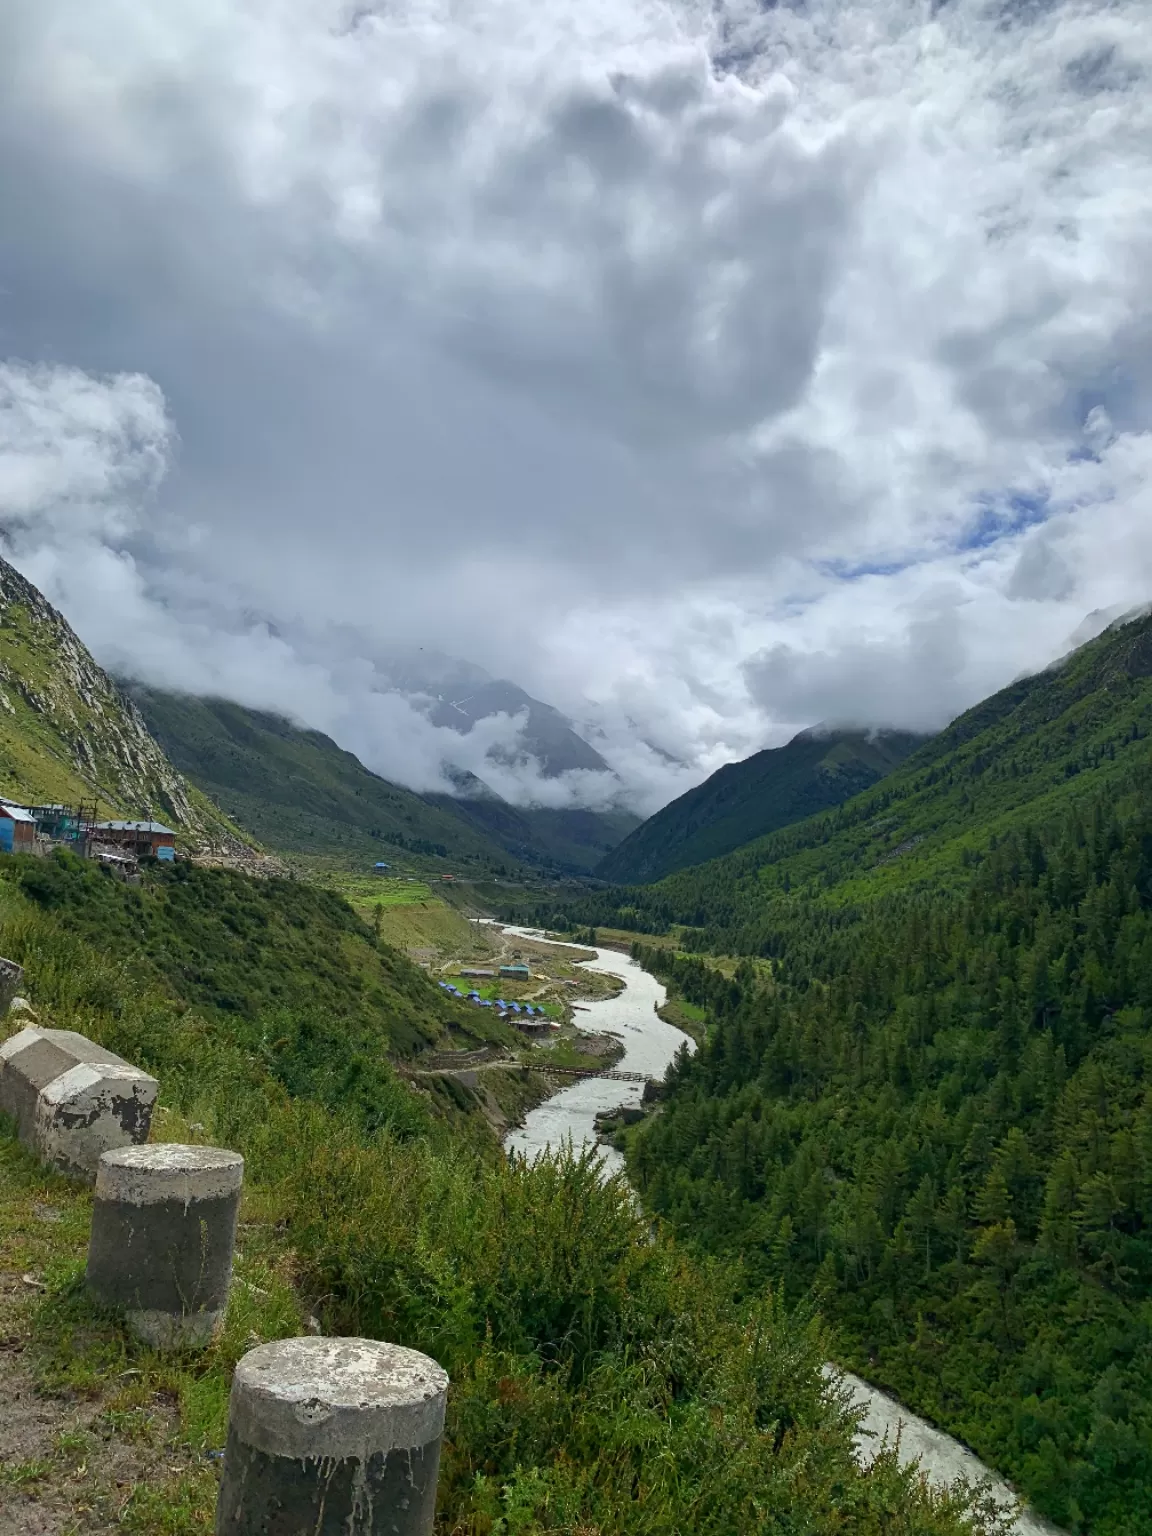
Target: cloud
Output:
[(708, 370), (912, 679), (78, 454)]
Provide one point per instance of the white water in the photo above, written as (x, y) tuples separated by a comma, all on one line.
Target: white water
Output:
[(941, 1457), (650, 1045)]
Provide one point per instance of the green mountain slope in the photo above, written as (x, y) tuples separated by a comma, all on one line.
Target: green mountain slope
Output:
[(299, 792), (602, 1378), (283, 967), (1026, 753), (924, 1101), (68, 733), (743, 801), (566, 839)]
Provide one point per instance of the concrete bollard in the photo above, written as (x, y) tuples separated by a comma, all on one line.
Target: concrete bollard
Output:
[(71, 1099), (163, 1233), (332, 1437)]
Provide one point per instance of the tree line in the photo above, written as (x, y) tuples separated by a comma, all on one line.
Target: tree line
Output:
[(929, 1113)]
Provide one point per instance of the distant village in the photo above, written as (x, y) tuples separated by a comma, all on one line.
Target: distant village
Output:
[(528, 1017), (119, 845)]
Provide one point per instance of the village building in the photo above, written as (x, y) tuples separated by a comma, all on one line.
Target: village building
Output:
[(518, 972), (17, 828), (141, 839)]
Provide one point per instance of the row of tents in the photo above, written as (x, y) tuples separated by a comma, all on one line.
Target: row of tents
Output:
[(520, 1010)]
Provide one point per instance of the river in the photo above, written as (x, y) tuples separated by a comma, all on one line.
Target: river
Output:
[(649, 1046)]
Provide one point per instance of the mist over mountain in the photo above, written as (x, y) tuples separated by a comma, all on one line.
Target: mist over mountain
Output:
[(300, 792), (704, 370), (458, 695), (820, 768)]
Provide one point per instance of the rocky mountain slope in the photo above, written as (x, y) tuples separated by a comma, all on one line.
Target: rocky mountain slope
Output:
[(742, 801), (459, 694), (68, 733)]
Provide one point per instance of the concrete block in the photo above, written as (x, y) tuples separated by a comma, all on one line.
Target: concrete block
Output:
[(163, 1234), (72, 1099), (332, 1437)]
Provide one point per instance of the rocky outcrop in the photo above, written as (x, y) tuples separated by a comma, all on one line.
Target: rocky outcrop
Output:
[(64, 707)]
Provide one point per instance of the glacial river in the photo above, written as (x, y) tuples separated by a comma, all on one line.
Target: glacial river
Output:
[(649, 1046)]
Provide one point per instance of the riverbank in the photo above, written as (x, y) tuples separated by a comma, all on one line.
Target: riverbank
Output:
[(651, 1042)]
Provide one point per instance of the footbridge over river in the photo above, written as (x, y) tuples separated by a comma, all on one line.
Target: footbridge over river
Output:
[(468, 1061), (615, 1077)]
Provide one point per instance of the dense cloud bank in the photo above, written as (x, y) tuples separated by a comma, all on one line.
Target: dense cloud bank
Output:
[(709, 371)]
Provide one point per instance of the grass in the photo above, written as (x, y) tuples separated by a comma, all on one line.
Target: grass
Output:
[(567, 1053), (406, 913), (21, 1474), (603, 1380), (686, 1016), (114, 1417)]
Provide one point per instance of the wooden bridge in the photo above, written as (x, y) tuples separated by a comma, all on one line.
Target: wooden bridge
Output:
[(457, 1061), (616, 1077)]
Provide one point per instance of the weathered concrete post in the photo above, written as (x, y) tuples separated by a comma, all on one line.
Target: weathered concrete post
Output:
[(72, 1099), (163, 1233), (332, 1437)]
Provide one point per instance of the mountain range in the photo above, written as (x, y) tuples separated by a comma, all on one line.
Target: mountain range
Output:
[(742, 801), (1023, 752), (222, 774), (922, 1101), (299, 792), (458, 695)]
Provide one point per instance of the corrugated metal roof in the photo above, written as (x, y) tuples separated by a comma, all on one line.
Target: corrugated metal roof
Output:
[(134, 826), (16, 812)]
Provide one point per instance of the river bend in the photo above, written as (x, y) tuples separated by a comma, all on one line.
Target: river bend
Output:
[(649, 1046)]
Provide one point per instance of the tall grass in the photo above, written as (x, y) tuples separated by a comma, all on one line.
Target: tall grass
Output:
[(603, 1381)]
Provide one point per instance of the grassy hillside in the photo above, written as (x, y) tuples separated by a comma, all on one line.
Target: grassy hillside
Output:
[(299, 792), (926, 1107), (285, 968), (1027, 753), (67, 733), (602, 1378), (743, 801)]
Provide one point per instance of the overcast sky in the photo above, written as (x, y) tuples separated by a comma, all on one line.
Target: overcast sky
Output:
[(709, 370)]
